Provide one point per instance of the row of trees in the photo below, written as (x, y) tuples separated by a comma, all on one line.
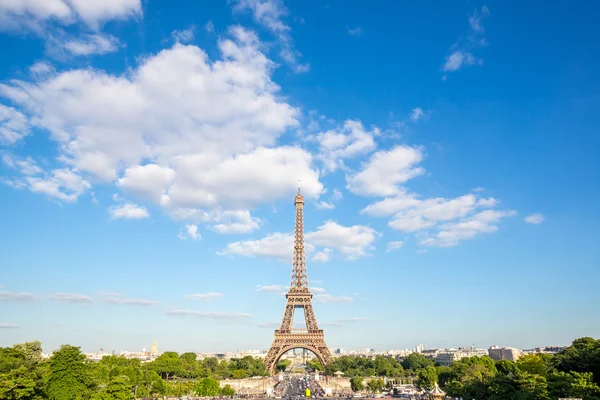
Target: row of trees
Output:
[(373, 385), (171, 364), (572, 373), (68, 375), (354, 366)]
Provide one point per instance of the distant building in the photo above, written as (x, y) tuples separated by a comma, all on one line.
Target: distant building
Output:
[(544, 350), (448, 356), (430, 353), (154, 349), (419, 348), (406, 390), (503, 353)]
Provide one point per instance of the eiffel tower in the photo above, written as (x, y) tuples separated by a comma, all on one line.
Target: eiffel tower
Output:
[(299, 296)]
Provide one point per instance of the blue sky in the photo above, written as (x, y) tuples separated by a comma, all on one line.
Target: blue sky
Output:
[(448, 153)]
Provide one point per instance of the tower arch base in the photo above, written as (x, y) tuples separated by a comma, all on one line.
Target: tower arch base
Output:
[(284, 342)]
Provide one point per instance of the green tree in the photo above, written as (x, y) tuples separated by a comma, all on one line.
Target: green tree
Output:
[(211, 363), (470, 377), (416, 361), (531, 387), (282, 365), (375, 385), (222, 371), (315, 364), (18, 384), (239, 374), (573, 385), (356, 384), (582, 356), (22, 373), (70, 377), (208, 387), (503, 387), (168, 365), (227, 390), (506, 367), (533, 364), (426, 378), (31, 350), (118, 388)]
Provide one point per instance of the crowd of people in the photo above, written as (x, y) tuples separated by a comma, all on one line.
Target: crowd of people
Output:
[(310, 383), (294, 386)]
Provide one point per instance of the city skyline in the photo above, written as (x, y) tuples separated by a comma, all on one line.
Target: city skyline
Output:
[(149, 158)]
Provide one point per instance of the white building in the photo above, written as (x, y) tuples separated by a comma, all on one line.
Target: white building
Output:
[(504, 353), (448, 356)]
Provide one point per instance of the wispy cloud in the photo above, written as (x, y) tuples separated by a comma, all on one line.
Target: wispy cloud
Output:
[(271, 14), (119, 299), (128, 211), (205, 296), (210, 315), (418, 114), (534, 219), (325, 205), (268, 288), (184, 35), (91, 44), (358, 31), (327, 298), (17, 296), (269, 324), (459, 59), (210, 26), (71, 298), (4, 325), (394, 245), (461, 55), (343, 321)]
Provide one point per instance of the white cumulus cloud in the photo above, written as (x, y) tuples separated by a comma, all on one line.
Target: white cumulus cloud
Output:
[(452, 234), (30, 14), (350, 241), (191, 135), (385, 170), (348, 141)]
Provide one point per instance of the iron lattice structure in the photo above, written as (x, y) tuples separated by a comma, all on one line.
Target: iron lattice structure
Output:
[(299, 296)]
